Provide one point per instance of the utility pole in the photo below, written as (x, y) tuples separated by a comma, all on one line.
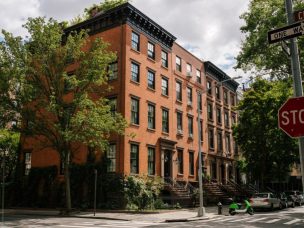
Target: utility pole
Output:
[(297, 78)]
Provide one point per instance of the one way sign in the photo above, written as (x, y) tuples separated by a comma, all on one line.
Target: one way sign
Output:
[(287, 32)]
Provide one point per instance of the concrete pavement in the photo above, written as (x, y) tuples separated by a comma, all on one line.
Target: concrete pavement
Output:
[(177, 215)]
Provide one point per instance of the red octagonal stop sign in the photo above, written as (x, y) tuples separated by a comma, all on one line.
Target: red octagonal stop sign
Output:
[(291, 117)]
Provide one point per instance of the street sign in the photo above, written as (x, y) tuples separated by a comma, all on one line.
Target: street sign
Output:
[(291, 117), (298, 15), (287, 32)]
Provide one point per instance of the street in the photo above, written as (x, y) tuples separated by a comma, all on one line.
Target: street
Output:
[(292, 217)]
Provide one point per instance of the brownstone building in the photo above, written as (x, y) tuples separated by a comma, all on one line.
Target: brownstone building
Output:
[(155, 86)]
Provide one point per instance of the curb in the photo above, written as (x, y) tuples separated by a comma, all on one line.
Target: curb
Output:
[(187, 219)]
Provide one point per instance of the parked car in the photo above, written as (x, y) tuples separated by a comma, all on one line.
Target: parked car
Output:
[(265, 200), (296, 196), (286, 201)]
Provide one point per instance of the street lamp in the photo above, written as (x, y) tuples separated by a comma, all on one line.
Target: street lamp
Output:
[(201, 210)]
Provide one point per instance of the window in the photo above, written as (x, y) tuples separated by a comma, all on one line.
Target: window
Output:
[(191, 163), (219, 141), (190, 126), (135, 41), (27, 163), (178, 62), (200, 101), (219, 115), (180, 158), (111, 158), (201, 130), (165, 86), (189, 95), (151, 79), (198, 76), (209, 111), (179, 91), (113, 105), (151, 161), (179, 117), (232, 100), (228, 148), (113, 71), (233, 119), (189, 69), (134, 72), (226, 117), (164, 59), (211, 138), (165, 120), (225, 97), (134, 158), (151, 116), (134, 111), (209, 88), (151, 50), (217, 93)]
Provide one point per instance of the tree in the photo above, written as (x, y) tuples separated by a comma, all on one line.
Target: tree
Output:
[(268, 151), (256, 54), (61, 80), (9, 142)]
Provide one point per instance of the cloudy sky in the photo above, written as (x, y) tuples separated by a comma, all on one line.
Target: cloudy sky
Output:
[(207, 28)]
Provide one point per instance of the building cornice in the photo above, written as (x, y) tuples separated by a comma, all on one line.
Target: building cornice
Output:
[(125, 14), (220, 75)]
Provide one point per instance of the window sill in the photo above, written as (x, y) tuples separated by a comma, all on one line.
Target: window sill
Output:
[(151, 89), (180, 174), (136, 51), (165, 133), (166, 96), (134, 125), (151, 60), (179, 101), (134, 82), (180, 134), (164, 67), (151, 129), (191, 175)]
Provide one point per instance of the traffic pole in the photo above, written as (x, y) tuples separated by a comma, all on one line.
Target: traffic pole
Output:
[(95, 188), (297, 78)]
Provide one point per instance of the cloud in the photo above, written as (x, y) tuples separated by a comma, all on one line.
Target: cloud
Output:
[(208, 29)]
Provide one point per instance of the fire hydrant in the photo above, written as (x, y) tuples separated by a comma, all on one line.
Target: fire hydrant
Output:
[(219, 208)]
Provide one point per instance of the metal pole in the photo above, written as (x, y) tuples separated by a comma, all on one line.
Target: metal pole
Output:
[(95, 187), (201, 210), (297, 79), (3, 183)]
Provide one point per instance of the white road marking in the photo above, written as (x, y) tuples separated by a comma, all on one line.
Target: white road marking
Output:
[(242, 219), (292, 221), (258, 219), (74, 226), (273, 220)]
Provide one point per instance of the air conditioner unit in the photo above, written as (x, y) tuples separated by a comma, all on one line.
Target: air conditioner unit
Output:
[(190, 135), (189, 103), (189, 74)]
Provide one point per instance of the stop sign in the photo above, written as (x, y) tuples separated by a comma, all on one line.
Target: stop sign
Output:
[(291, 117)]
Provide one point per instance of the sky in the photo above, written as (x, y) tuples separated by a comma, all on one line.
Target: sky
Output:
[(210, 29)]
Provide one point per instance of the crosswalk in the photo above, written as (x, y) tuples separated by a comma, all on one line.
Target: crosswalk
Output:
[(256, 219), (118, 224)]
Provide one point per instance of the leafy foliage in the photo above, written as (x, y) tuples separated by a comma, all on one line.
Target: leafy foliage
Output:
[(268, 151), (61, 85), (256, 54), (141, 191), (9, 142)]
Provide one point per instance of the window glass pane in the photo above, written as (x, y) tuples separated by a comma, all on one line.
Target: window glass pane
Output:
[(165, 88), (198, 76), (179, 117), (28, 163), (151, 53), (134, 111), (180, 161), (135, 72), (190, 126), (135, 41), (151, 80), (134, 158), (113, 71), (178, 63), (151, 116), (164, 57), (165, 121), (178, 91), (111, 158), (151, 161), (191, 163)]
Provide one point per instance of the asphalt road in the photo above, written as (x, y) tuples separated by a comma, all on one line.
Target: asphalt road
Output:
[(292, 217)]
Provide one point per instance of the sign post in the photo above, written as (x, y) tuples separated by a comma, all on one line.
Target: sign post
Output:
[(297, 79)]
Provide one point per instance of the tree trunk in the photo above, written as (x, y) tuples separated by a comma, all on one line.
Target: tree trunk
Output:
[(67, 184)]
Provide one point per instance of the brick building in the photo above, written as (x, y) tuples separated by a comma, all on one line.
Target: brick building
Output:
[(155, 86)]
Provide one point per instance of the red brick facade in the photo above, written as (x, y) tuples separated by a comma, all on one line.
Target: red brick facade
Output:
[(154, 137)]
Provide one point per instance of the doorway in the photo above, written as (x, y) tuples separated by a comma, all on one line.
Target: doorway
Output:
[(167, 163)]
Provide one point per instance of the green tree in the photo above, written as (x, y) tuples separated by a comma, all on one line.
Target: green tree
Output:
[(61, 80), (9, 142), (256, 54), (268, 151)]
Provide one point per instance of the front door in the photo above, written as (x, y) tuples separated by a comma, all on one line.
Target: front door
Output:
[(167, 163)]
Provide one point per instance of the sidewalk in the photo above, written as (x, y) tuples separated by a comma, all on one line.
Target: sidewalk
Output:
[(178, 215)]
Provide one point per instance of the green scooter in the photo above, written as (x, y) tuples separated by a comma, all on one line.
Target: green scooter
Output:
[(236, 208)]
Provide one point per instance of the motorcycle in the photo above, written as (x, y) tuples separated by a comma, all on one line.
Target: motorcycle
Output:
[(236, 208)]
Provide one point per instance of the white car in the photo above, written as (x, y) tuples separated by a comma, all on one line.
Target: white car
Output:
[(265, 200)]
